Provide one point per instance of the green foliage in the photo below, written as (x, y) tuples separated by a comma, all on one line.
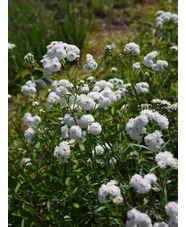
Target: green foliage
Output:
[(50, 193)]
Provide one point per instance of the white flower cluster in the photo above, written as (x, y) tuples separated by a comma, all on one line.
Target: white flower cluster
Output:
[(97, 151), (165, 104), (145, 106), (132, 48), (77, 134), (28, 58), (58, 91), (160, 224), (90, 65), (76, 125), (160, 65), (165, 17), (29, 135), (32, 123), (138, 219), (143, 184), (165, 159), (136, 126), (161, 120), (148, 59), (173, 107), (110, 189), (25, 161), (11, 46), (62, 151), (154, 140), (142, 87), (160, 102), (61, 87), (29, 87), (56, 52), (36, 103), (86, 102), (136, 65), (95, 128), (172, 210)]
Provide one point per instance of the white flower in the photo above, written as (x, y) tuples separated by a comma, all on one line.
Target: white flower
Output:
[(84, 89), (90, 65), (50, 65), (165, 159), (136, 218), (95, 128), (154, 140), (136, 127), (132, 48), (110, 189), (160, 65), (64, 132), (142, 87), (62, 152), (174, 18), (71, 56), (159, 24), (113, 70), (174, 48), (29, 58), (104, 102), (60, 53), (75, 132), (151, 178), (11, 46), (25, 161), (36, 103), (161, 120), (117, 83), (31, 121), (91, 79), (136, 65), (85, 102), (29, 135), (29, 87), (162, 224), (159, 12), (69, 120), (53, 98), (98, 151), (143, 184), (172, 209), (148, 59), (85, 120)]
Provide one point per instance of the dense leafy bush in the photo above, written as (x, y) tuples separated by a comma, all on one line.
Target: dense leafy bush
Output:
[(97, 152)]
